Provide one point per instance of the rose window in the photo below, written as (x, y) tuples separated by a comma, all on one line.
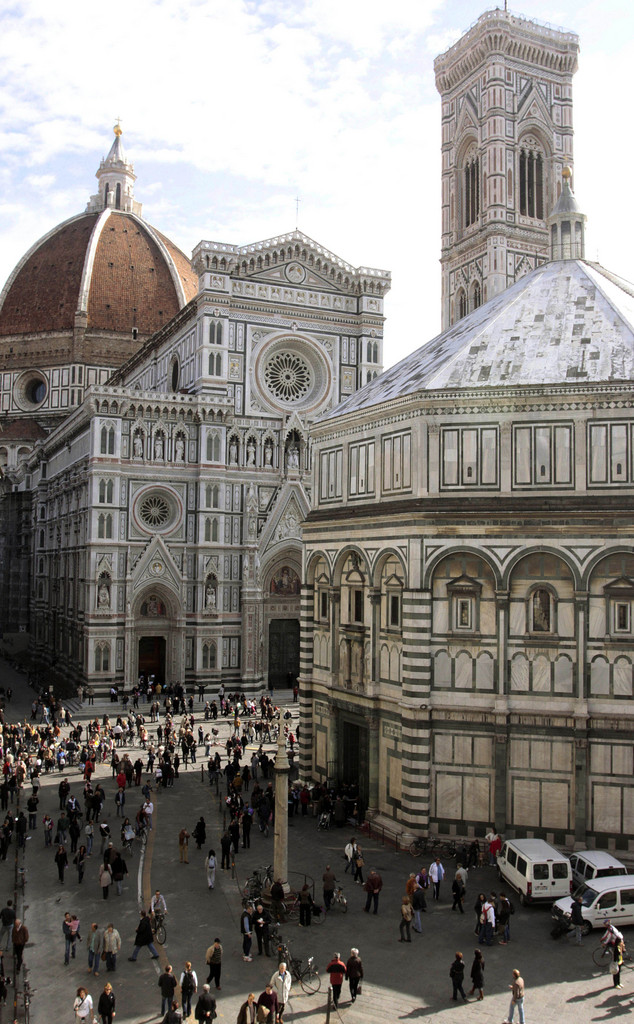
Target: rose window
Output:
[(287, 376), (154, 510)]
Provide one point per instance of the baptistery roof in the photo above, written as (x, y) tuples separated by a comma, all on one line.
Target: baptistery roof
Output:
[(566, 322)]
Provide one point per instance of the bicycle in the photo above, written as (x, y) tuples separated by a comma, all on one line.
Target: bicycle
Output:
[(603, 956), (291, 909), (158, 927), (258, 881), (422, 844), (339, 901), (307, 976)]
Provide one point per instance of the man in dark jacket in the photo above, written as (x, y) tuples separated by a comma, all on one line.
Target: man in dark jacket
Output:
[(167, 984), (577, 918), (144, 937), (373, 887), (261, 923), (206, 1005), (268, 999)]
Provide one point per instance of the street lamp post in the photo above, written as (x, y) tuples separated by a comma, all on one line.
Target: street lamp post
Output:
[(280, 834)]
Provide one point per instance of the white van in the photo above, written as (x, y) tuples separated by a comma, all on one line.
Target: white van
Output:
[(603, 899), (589, 864), (535, 869)]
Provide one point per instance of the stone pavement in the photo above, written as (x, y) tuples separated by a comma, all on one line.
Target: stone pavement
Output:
[(403, 982)]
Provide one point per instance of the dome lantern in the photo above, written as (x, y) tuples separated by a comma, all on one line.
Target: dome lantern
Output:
[(567, 224), (116, 179)]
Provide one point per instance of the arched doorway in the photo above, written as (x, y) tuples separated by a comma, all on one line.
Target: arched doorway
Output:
[(152, 657)]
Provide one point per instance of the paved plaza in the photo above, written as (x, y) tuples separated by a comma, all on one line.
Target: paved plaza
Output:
[(402, 982)]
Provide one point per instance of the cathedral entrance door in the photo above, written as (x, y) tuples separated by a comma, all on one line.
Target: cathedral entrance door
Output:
[(283, 653), (354, 756), (152, 657)]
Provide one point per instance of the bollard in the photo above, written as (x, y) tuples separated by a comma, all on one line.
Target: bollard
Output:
[(329, 1004)]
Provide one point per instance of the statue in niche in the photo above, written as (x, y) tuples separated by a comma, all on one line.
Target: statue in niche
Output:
[(292, 460), (138, 446), (233, 452), (180, 449), (210, 597), (158, 446), (268, 454), (250, 452), (103, 596)]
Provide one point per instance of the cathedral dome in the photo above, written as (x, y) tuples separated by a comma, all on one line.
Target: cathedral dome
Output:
[(89, 293), (111, 269)]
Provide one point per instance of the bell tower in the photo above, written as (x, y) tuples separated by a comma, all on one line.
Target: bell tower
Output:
[(506, 89)]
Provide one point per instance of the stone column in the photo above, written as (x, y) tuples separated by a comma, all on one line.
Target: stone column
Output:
[(280, 833), (374, 724), (582, 821), (375, 629), (581, 607), (502, 606), (335, 620)]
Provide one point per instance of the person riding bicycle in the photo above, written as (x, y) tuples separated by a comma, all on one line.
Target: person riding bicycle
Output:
[(158, 906), (611, 935)]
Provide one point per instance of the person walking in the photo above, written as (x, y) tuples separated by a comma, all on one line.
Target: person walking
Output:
[(354, 972), (94, 949), (337, 971), (477, 974), (144, 937), (517, 998), (419, 905), (246, 930), (210, 868), (436, 873), (119, 870), (406, 919), (349, 853), (111, 945), (247, 1014), (504, 911), (328, 879), (205, 1007), (617, 963), (173, 1015), (83, 1007), (167, 984), (19, 938), (106, 1004), (456, 973), (359, 863), (267, 1005), (305, 906), (79, 860), (200, 835), (458, 891), (66, 932), (105, 878), (7, 920), (576, 917), (373, 888), (487, 923), (189, 986), (213, 958), (281, 984), (183, 846), (61, 861)]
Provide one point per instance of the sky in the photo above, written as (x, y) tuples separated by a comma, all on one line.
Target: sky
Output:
[(231, 110)]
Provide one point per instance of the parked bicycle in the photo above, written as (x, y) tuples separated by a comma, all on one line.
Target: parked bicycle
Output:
[(258, 881), (305, 973)]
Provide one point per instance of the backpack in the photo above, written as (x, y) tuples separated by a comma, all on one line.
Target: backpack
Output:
[(511, 907), (188, 983)]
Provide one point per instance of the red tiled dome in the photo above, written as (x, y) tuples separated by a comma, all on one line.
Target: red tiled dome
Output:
[(110, 266)]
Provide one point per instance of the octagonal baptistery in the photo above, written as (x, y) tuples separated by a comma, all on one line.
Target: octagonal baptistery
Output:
[(85, 297)]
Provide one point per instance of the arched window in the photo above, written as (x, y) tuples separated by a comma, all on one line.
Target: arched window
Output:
[(207, 529), (471, 188), (102, 657), (214, 530), (476, 296), (104, 527), (531, 179), (541, 611), (118, 196), (208, 496), (107, 440), (209, 655), (213, 448), (215, 364), (102, 491), (215, 333), (461, 304), (106, 192)]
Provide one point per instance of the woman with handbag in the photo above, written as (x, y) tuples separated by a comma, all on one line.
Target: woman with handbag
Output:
[(406, 919), (83, 1007), (354, 973), (358, 866)]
